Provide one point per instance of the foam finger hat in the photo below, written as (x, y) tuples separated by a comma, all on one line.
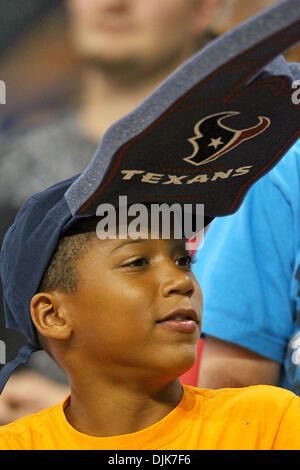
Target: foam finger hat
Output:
[(213, 128)]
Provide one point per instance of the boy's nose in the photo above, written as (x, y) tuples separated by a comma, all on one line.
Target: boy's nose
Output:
[(177, 282)]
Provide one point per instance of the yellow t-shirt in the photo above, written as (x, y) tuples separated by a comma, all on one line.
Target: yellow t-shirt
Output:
[(259, 418)]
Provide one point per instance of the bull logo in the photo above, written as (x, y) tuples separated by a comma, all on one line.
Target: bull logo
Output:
[(213, 138)]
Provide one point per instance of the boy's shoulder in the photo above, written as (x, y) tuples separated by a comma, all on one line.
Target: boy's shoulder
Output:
[(258, 396), (251, 392), (254, 417)]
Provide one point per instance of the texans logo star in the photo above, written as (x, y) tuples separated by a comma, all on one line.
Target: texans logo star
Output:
[(213, 138)]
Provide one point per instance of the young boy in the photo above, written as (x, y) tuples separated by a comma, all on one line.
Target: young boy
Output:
[(122, 317)]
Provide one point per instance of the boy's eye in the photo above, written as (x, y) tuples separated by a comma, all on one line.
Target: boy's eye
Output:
[(137, 263), (184, 261)]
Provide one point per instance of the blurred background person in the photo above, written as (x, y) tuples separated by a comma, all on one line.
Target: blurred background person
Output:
[(122, 49), (249, 271), (238, 11)]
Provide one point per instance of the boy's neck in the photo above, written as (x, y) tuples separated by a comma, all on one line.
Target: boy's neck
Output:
[(104, 411)]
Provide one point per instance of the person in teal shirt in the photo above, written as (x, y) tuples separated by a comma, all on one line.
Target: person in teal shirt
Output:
[(249, 271)]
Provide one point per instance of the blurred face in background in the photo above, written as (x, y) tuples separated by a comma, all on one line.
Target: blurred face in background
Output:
[(137, 32)]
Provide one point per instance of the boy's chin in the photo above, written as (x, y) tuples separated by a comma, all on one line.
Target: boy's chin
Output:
[(181, 360)]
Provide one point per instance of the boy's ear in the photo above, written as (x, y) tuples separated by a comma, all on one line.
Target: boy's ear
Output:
[(49, 316), (206, 11)]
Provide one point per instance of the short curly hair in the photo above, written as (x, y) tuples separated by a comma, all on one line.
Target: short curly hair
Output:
[(61, 272)]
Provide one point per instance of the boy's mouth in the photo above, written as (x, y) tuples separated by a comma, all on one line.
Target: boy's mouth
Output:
[(182, 320)]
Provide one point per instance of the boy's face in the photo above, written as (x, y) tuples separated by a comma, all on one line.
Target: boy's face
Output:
[(125, 289)]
